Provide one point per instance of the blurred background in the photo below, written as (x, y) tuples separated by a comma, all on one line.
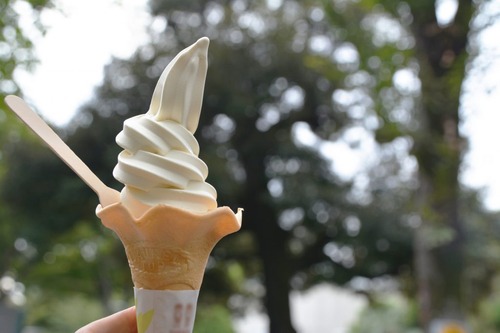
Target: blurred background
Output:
[(358, 135)]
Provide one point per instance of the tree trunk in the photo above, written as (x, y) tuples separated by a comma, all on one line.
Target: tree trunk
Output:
[(276, 265), (439, 259), (104, 286), (261, 218), (439, 265)]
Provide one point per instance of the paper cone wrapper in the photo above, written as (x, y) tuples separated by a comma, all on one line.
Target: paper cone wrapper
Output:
[(168, 248), (165, 311)]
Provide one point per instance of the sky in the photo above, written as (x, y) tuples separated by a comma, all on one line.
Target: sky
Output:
[(74, 51), (481, 113), (82, 37)]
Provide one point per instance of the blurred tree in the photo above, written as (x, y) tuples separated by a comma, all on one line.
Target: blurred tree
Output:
[(58, 234), (415, 62), (17, 47), (16, 50), (442, 57), (390, 314)]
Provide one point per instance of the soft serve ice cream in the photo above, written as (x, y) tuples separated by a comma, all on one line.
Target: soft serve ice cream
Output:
[(167, 218), (160, 163)]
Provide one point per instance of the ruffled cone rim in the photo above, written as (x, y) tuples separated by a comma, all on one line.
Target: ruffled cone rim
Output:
[(167, 248)]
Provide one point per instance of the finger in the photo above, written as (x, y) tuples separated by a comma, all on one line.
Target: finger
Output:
[(123, 322)]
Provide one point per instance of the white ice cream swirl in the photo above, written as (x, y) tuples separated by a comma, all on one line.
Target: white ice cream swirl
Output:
[(159, 163)]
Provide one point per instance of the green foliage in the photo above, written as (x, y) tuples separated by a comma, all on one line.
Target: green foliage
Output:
[(58, 313), (213, 318), (16, 47), (392, 313), (482, 251), (487, 318), (16, 51)]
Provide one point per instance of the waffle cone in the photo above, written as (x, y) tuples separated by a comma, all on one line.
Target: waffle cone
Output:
[(167, 248)]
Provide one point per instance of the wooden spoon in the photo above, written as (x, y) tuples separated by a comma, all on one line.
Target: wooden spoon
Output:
[(107, 195)]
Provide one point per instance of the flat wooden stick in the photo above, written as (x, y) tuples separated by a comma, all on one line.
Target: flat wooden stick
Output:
[(106, 194)]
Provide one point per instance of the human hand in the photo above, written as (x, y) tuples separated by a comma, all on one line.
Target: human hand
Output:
[(123, 322)]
